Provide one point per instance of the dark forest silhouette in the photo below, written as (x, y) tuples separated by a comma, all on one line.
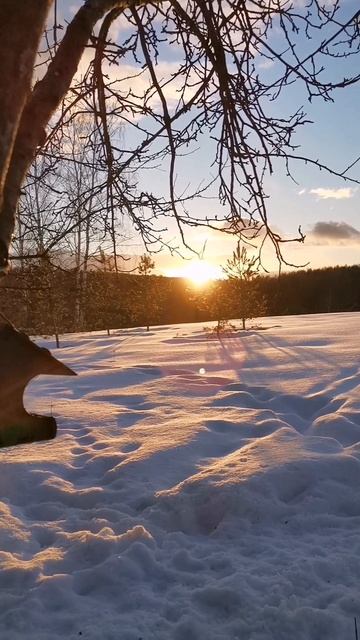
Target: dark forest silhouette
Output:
[(46, 305)]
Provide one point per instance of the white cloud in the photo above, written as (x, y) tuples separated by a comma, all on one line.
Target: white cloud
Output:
[(343, 193)]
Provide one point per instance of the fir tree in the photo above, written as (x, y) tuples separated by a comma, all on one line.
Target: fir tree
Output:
[(242, 272), (149, 294)]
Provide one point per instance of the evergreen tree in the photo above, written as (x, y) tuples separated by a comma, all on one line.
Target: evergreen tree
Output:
[(215, 301), (242, 272), (149, 293)]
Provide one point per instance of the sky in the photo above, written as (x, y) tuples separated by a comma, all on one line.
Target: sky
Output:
[(325, 206)]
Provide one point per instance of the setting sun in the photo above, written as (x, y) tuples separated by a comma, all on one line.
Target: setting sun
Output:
[(199, 272)]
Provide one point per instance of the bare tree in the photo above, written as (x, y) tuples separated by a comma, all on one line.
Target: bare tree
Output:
[(213, 86), (38, 221), (55, 224)]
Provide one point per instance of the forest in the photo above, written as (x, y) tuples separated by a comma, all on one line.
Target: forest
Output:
[(45, 300)]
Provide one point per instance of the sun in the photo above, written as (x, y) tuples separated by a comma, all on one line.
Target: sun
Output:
[(200, 272)]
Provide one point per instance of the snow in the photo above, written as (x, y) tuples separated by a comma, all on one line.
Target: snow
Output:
[(197, 489)]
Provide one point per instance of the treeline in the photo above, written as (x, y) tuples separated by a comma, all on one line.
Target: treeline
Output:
[(48, 300), (327, 290)]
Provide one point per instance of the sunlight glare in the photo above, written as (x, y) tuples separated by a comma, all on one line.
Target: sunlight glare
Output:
[(200, 272)]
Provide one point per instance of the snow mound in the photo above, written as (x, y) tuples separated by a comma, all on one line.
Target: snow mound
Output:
[(266, 483), (197, 488)]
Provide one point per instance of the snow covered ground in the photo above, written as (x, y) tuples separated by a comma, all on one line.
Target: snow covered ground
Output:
[(197, 490)]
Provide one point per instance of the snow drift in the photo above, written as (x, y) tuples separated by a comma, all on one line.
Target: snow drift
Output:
[(198, 488)]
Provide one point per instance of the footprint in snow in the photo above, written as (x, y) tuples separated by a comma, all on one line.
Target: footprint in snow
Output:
[(131, 446)]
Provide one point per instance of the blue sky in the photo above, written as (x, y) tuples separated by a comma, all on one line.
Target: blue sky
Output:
[(318, 197), (326, 207)]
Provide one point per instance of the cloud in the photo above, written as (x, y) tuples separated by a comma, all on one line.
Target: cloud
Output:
[(266, 64), (304, 4), (334, 233), (337, 194)]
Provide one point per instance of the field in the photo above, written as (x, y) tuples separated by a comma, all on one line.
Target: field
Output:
[(198, 489)]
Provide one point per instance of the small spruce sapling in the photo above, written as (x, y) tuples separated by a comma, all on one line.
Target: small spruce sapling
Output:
[(148, 296), (242, 272), (215, 300)]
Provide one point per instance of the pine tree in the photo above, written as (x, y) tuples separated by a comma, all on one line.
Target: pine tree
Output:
[(149, 293), (242, 272), (216, 301)]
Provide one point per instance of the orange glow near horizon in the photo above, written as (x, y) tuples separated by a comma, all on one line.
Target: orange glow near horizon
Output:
[(199, 272)]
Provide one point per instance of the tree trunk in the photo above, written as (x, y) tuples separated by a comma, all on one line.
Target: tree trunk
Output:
[(21, 26), (24, 116)]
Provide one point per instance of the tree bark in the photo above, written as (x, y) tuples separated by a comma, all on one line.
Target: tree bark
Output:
[(18, 49)]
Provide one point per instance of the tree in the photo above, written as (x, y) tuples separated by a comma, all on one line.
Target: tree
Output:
[(216, 301), (44, 297), (54, 221), (108, 301), (242, 272), (213, 87), (146, 265), (149, 293)]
